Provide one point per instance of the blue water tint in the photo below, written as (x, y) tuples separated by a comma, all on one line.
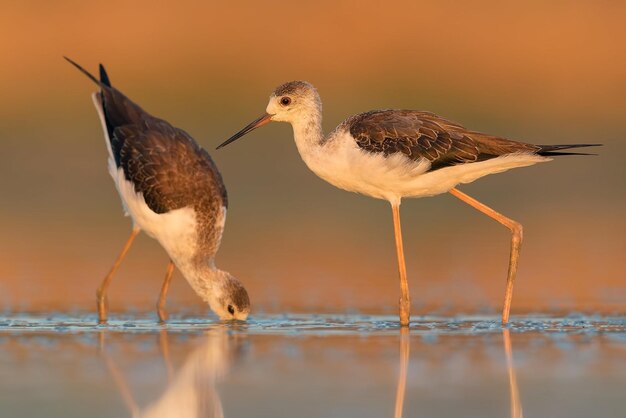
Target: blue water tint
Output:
[(317, 324), (65, 365)]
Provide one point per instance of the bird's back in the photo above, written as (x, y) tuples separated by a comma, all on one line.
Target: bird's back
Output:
[(421, 135), (162, 167), (424, 135)]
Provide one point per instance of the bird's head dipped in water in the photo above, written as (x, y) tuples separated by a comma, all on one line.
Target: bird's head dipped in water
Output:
[(227, 297)]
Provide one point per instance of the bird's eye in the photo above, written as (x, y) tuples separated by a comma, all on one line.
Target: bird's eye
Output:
[(285, 101), (231, 309)]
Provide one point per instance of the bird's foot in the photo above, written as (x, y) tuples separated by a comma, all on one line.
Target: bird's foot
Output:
[(163, 316), (405, 311)]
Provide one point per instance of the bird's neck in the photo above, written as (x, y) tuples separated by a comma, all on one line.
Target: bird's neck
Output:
[(308, 135), (202, 275)]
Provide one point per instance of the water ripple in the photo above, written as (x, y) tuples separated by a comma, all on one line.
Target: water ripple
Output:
[(317, 324)]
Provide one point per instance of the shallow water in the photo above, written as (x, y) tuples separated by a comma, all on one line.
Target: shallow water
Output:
[(312, 366)]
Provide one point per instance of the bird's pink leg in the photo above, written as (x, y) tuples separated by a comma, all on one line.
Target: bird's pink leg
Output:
[(166, 285), (102, 289), (405, 299), (516, 245)]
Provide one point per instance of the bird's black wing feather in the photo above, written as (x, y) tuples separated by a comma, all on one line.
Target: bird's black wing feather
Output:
[(167, 166), (120, 111), (171, 171), (424, 135)]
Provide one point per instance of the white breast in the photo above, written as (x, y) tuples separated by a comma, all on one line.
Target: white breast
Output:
[(175, 230)]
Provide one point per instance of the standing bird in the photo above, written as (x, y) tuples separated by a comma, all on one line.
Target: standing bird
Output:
[(391, 154), (173, 191)]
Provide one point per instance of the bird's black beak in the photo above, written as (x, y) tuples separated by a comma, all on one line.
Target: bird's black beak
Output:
[(263, 120)]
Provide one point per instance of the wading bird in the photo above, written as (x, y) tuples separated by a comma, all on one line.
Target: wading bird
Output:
[(173, 191), (391, 154)]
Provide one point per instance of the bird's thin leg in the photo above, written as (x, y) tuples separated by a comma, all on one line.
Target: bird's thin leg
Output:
[(101, 293), (516, 245), (405, 299), (166, 285)]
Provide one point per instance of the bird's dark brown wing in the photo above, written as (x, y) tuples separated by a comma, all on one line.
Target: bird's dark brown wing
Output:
[(424, 135), (168, 167), (172, 171), (119, 110)]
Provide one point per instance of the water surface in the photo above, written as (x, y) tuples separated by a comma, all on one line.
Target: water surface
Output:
[(312, 366)]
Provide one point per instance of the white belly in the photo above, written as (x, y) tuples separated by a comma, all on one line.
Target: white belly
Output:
[(176, 230), (348, 167)]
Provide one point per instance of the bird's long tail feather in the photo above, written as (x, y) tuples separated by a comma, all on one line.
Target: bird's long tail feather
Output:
[(556, 150), (104, 81)]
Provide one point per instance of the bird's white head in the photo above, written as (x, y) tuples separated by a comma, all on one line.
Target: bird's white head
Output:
[(296, 102), (227, 296)]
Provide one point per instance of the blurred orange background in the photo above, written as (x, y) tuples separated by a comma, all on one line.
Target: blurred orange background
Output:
[(541, 72)]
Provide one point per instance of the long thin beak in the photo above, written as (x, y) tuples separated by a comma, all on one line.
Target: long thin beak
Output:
[(263, 120)]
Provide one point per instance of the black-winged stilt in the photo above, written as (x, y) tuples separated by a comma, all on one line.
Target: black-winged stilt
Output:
[(391, 154), (173, 191)]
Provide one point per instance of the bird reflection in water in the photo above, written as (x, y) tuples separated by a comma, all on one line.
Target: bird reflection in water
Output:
[(404, 366), (191, 390), (515, 401)]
